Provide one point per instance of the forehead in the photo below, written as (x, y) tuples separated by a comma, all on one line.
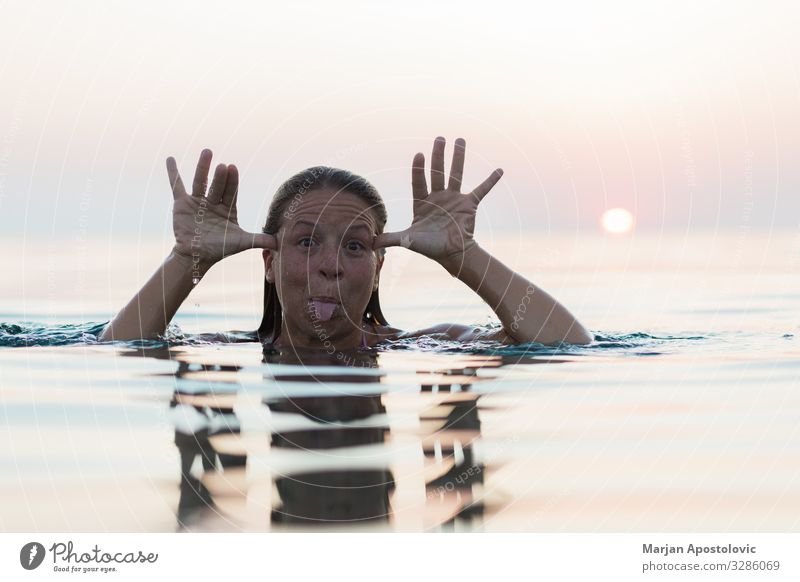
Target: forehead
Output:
[(328, 207)]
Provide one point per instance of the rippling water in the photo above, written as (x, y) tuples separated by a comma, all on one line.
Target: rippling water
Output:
[(683, 415)]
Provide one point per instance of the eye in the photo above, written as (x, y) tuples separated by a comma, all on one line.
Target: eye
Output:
[(302, 242), (355, 245)]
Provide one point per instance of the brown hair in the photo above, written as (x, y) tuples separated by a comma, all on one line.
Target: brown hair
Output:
[(289, 194)]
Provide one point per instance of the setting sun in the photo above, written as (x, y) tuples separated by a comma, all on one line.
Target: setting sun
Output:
[(617, 221)]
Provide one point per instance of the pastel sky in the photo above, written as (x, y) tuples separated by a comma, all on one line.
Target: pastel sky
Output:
[(686, 113)]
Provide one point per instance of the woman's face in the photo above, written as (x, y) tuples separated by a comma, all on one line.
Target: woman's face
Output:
[(324, 269)]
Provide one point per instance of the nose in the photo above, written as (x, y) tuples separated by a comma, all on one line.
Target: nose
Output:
[(329, 265)]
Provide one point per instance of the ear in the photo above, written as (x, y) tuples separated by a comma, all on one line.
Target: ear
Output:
[(269, 273)]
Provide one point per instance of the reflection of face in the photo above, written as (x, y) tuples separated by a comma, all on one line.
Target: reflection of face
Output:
[(324, 250)]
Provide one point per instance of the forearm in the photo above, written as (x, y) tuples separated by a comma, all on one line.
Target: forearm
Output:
[(148, 314), (527, 312)]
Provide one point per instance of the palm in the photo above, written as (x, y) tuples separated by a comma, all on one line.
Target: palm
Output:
[(206, 226), (444, 222), (444, 218)]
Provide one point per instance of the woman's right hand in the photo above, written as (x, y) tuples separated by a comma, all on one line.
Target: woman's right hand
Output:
[(206, 227)]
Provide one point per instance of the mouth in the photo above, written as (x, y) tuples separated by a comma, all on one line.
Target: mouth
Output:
[(324, 298), (324, 307)]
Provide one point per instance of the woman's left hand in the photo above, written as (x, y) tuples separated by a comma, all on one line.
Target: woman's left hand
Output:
[(444, 218)]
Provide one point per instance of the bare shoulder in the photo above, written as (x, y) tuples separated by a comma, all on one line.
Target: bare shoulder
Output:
[(386, 332), (447, 331)]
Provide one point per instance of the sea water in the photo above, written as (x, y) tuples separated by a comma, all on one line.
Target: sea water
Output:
[(683, 415)]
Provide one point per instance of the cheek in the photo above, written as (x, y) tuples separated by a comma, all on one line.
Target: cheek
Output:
[(290, 275), (361, 273), (294, 278)]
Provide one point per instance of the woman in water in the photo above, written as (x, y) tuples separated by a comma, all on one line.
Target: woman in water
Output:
[(323, 247)]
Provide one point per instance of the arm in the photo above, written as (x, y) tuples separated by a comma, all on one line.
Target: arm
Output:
[(148, 314), (527, 312), (206, 231), (442, 229)]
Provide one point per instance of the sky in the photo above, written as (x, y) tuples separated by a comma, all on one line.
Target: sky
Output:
[(685, 113)]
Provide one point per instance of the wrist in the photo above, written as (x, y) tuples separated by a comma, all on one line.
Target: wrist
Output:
[(193, 265), (456, 262)]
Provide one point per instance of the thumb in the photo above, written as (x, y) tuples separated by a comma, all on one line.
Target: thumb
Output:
[(260, 241), (393, 239)]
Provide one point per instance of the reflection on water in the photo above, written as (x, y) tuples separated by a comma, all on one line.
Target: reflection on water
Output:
[(330, 457), (229, 437)]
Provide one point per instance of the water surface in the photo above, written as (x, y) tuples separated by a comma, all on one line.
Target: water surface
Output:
[(682, 416)]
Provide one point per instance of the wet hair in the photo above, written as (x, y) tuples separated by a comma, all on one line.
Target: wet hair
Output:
[(283, 205)]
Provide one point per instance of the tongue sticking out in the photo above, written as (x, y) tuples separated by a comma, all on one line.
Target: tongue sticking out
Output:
[(324, 309)]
